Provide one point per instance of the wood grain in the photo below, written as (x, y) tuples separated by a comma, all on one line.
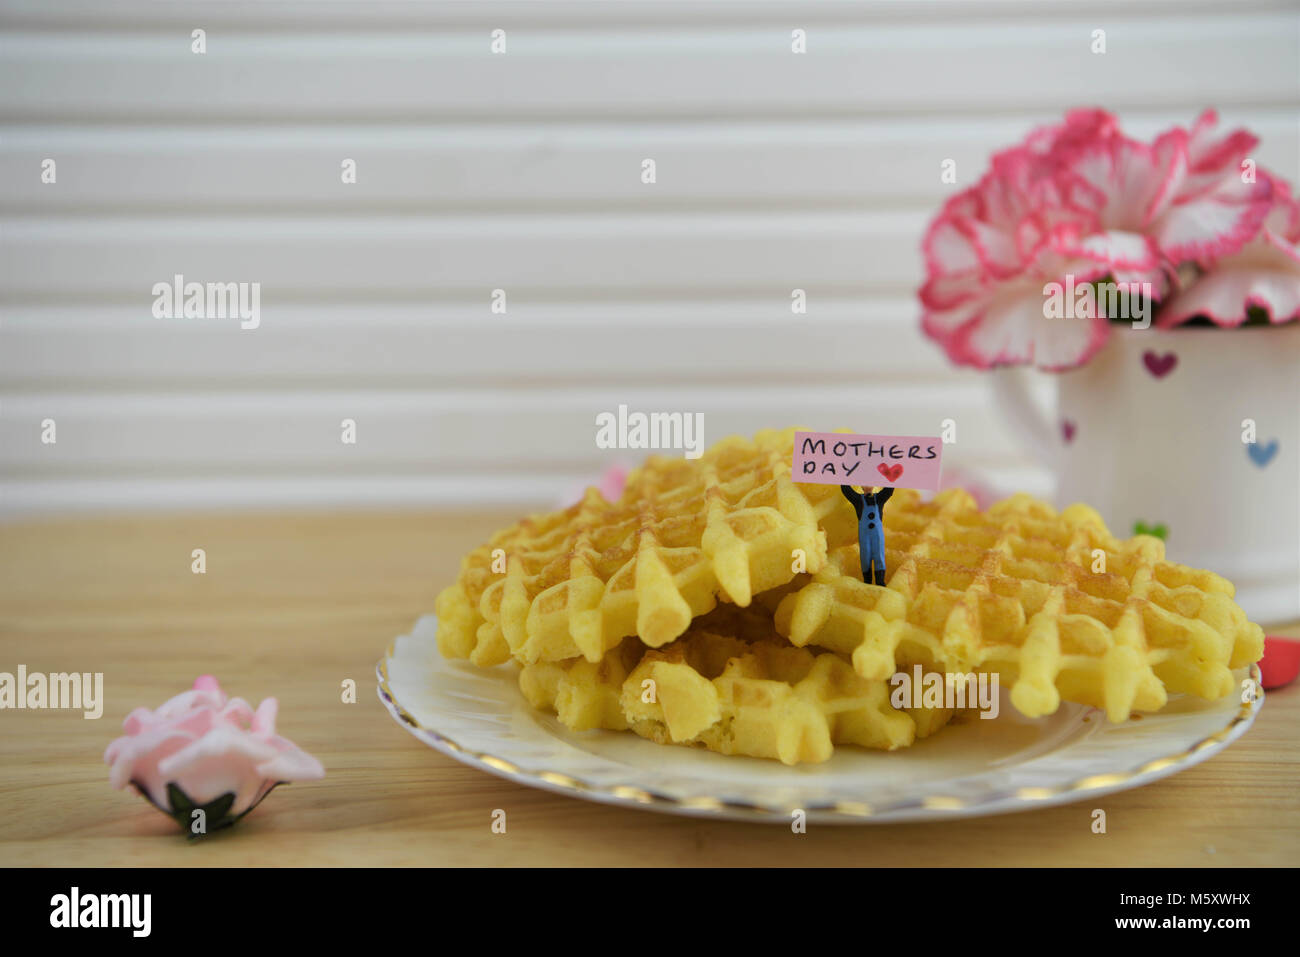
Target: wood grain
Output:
[(292, 605)]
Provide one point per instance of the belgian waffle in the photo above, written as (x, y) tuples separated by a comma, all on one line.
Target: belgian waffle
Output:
[(1013, 590), (730, 685), (684, 534)]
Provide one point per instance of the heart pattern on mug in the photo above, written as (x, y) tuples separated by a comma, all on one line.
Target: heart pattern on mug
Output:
[(1261, 455), (1159, 366), (1142, 528), (891, 472), (1068, 428)]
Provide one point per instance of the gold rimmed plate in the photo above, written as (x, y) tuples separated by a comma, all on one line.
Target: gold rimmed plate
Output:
[(972, 768)]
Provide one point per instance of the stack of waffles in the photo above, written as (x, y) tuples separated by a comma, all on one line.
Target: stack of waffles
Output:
[(719, 603)]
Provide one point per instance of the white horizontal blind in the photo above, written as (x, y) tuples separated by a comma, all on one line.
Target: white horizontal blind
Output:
[(521, 171)]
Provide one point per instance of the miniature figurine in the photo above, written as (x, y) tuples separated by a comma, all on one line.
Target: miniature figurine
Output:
[(870, 508)]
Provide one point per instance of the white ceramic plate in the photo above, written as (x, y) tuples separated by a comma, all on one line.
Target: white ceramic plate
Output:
[(978, 767)]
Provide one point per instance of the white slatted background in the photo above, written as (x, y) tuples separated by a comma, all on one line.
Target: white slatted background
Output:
[(480, 171)]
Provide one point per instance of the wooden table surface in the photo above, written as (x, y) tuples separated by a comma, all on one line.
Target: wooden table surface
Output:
[(292, 605)]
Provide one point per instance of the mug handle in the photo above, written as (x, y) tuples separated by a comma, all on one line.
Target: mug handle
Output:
[(1016, 402)]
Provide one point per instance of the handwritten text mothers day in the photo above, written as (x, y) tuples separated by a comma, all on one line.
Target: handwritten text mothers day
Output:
[(844, 458)]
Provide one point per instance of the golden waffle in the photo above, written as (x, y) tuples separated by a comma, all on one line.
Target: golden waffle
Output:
[(685, 532), (730, 685), (1012, 591)]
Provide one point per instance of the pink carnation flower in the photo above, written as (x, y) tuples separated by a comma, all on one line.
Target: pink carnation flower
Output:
[(1264, 274), (200, 747), (1084, 201)]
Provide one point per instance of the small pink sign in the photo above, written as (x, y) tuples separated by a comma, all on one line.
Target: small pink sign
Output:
[(843, 458)]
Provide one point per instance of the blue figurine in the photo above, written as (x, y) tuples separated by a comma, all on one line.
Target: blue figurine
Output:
[(870, 508)]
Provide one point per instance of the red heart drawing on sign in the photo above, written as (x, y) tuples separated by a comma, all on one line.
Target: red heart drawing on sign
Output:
[(891, 472)]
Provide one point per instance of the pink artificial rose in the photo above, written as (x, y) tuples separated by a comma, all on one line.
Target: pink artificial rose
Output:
[(206, 746), (1080, 201)]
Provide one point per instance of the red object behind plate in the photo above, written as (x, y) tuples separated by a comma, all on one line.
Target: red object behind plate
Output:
[(1281, 661)]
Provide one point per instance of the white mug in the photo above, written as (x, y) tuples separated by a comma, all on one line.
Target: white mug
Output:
[(1193, 432)]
